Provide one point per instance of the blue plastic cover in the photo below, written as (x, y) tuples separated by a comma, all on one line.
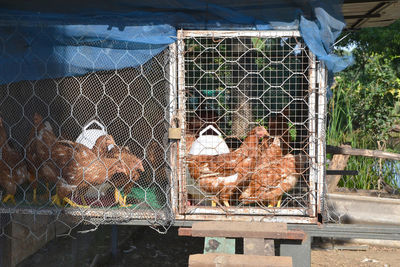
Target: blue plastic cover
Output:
[(39, 40)]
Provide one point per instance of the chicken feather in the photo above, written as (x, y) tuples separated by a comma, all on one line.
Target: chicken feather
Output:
[(13, 169), (216, 173), (274, 175)]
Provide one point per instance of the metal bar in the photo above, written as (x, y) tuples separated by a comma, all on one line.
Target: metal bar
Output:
[(246, 211), (173, 69), (227, 34), (104, 214), (114, 241), (181, 114), (185, 220), (351, 231), (313, 176), (322, 110)]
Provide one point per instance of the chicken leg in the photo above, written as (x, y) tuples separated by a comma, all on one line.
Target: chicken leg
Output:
[(34, 185), (56, 200), (121, 200), (73, 204), (278, 203), (9, 197)]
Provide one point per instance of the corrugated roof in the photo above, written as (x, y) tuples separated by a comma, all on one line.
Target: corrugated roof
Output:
[(367, 13)]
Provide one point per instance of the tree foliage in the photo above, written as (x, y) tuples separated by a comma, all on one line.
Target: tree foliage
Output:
[(370, 88)]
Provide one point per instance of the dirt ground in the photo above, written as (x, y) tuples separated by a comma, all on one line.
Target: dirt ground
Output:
[(142, 246), (373, 256)]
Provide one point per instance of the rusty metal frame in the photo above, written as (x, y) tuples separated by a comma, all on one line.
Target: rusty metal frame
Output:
[(322, 83), (288, 215), (174, 121)]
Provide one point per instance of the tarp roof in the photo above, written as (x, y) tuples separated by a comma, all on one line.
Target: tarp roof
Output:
[(43, 39), (357, 13)]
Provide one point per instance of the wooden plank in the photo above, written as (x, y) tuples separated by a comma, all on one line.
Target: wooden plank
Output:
[(362, 152), (339, 162), (269, 247), (225, 260), (246, 229), (184, 231), (341, 172), (258, 246), (23, 238)]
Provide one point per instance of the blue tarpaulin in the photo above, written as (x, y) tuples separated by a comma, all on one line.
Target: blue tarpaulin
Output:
[(40, 41)]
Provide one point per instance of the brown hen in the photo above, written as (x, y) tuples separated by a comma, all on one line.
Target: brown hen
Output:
[(81, 169), (221, 174), (132, 166), (41, 139), (105, 146), (13, 169), (274, 176)]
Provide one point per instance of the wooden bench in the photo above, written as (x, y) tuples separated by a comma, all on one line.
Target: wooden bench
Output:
[(259, 239)]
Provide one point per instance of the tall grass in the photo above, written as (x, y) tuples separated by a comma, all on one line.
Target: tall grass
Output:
[(340, 125), (340, 131)]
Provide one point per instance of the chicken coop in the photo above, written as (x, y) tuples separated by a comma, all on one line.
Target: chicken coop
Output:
[(252, 107), (160, 122)]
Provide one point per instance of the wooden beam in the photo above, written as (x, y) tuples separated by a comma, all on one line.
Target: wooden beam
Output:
[(227, 260), (362, 16), (246, 229), (341, 172), (376, 10), (258, 246), (366, 1), (185, 231), (338, 162), (362, 152)]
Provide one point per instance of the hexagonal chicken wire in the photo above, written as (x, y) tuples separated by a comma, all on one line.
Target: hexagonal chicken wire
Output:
[(249, 85), (243, 84), (91, 148)]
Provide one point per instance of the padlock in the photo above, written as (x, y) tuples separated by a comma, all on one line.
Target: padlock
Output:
[(174, 133)]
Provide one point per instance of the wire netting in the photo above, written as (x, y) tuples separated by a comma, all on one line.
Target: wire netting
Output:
[(238, 89), (87, 149), (97, 148)]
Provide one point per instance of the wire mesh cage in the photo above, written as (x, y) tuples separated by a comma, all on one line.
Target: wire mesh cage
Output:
[(246, 110), (253, 119), (92, 148)]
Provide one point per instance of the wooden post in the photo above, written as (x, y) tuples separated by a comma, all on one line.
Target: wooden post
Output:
[(259, 246), (339, 162)]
